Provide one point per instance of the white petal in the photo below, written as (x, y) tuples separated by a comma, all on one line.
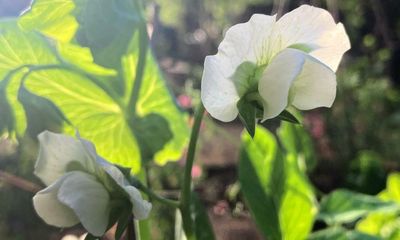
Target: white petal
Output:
[(141, 207), (314, 87), (333, 45), (113, 171), (246, 41), (277, 79), (243, 42), (218, 92), (314, 26), (55, 153), (88, 199), (51, 210)]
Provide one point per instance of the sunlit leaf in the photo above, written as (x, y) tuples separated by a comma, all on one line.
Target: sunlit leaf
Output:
[(297, 141), (51, 17), (279, 196), (97, 116), (344, 206), (339, 233), (109, 49), (385, 225), (18, 48)]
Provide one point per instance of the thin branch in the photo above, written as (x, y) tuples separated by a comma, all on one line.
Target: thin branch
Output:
[(19, 182)]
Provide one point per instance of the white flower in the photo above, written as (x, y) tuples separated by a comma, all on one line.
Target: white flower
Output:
[(82, 187), (275, 63)]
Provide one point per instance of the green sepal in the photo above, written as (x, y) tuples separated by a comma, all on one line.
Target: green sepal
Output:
[(288, 117), (247, 115), (123, 221)]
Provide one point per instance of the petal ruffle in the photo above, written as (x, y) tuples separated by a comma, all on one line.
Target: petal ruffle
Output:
[(88, 199), (140, 207), (50, 209), (277, 80), (315, 27)]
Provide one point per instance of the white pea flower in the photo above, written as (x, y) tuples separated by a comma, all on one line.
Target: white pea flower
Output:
[(274, 63), (82, 187)]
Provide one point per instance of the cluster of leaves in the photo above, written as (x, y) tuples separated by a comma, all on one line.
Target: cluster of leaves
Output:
[(283, 201)]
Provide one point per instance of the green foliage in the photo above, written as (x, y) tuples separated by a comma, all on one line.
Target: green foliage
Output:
[(279, 196), (247, 114), (95, 58), (339, 233), (296, 140), (385, 225), (344, 206)]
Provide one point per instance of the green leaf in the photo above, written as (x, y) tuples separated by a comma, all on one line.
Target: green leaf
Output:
[(155, 99), (297, 141), (247, 114), (339, 233), (108, 30), (94, 113), (106, 27), (287, 116), (123, 222), (344, 206), (385, 225), (18, 48), (52, 18), (279, 196), (41, 114)]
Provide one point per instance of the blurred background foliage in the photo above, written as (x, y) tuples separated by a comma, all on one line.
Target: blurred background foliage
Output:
[(356, 144)]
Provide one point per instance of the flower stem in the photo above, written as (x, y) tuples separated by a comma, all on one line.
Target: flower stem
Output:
[(187, 180)]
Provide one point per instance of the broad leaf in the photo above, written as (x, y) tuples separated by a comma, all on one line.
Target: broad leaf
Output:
[(344, 206), (279, 197), (52, 18), (297, 141), (104, 79), (339, 233), (97, 116), (385, 225), (17, 48)]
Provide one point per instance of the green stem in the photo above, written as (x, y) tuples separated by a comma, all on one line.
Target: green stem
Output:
[(187, 179), (157, 197), (143, 49)]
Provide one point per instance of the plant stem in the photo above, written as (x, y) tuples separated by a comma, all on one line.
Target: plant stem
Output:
[(157, 197), (143, 49), (187, 179)]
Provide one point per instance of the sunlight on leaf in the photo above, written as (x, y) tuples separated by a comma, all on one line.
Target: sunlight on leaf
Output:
[(344, 206), (278, 194)]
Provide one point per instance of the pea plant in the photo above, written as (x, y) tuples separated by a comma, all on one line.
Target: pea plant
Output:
[(90, 63)]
